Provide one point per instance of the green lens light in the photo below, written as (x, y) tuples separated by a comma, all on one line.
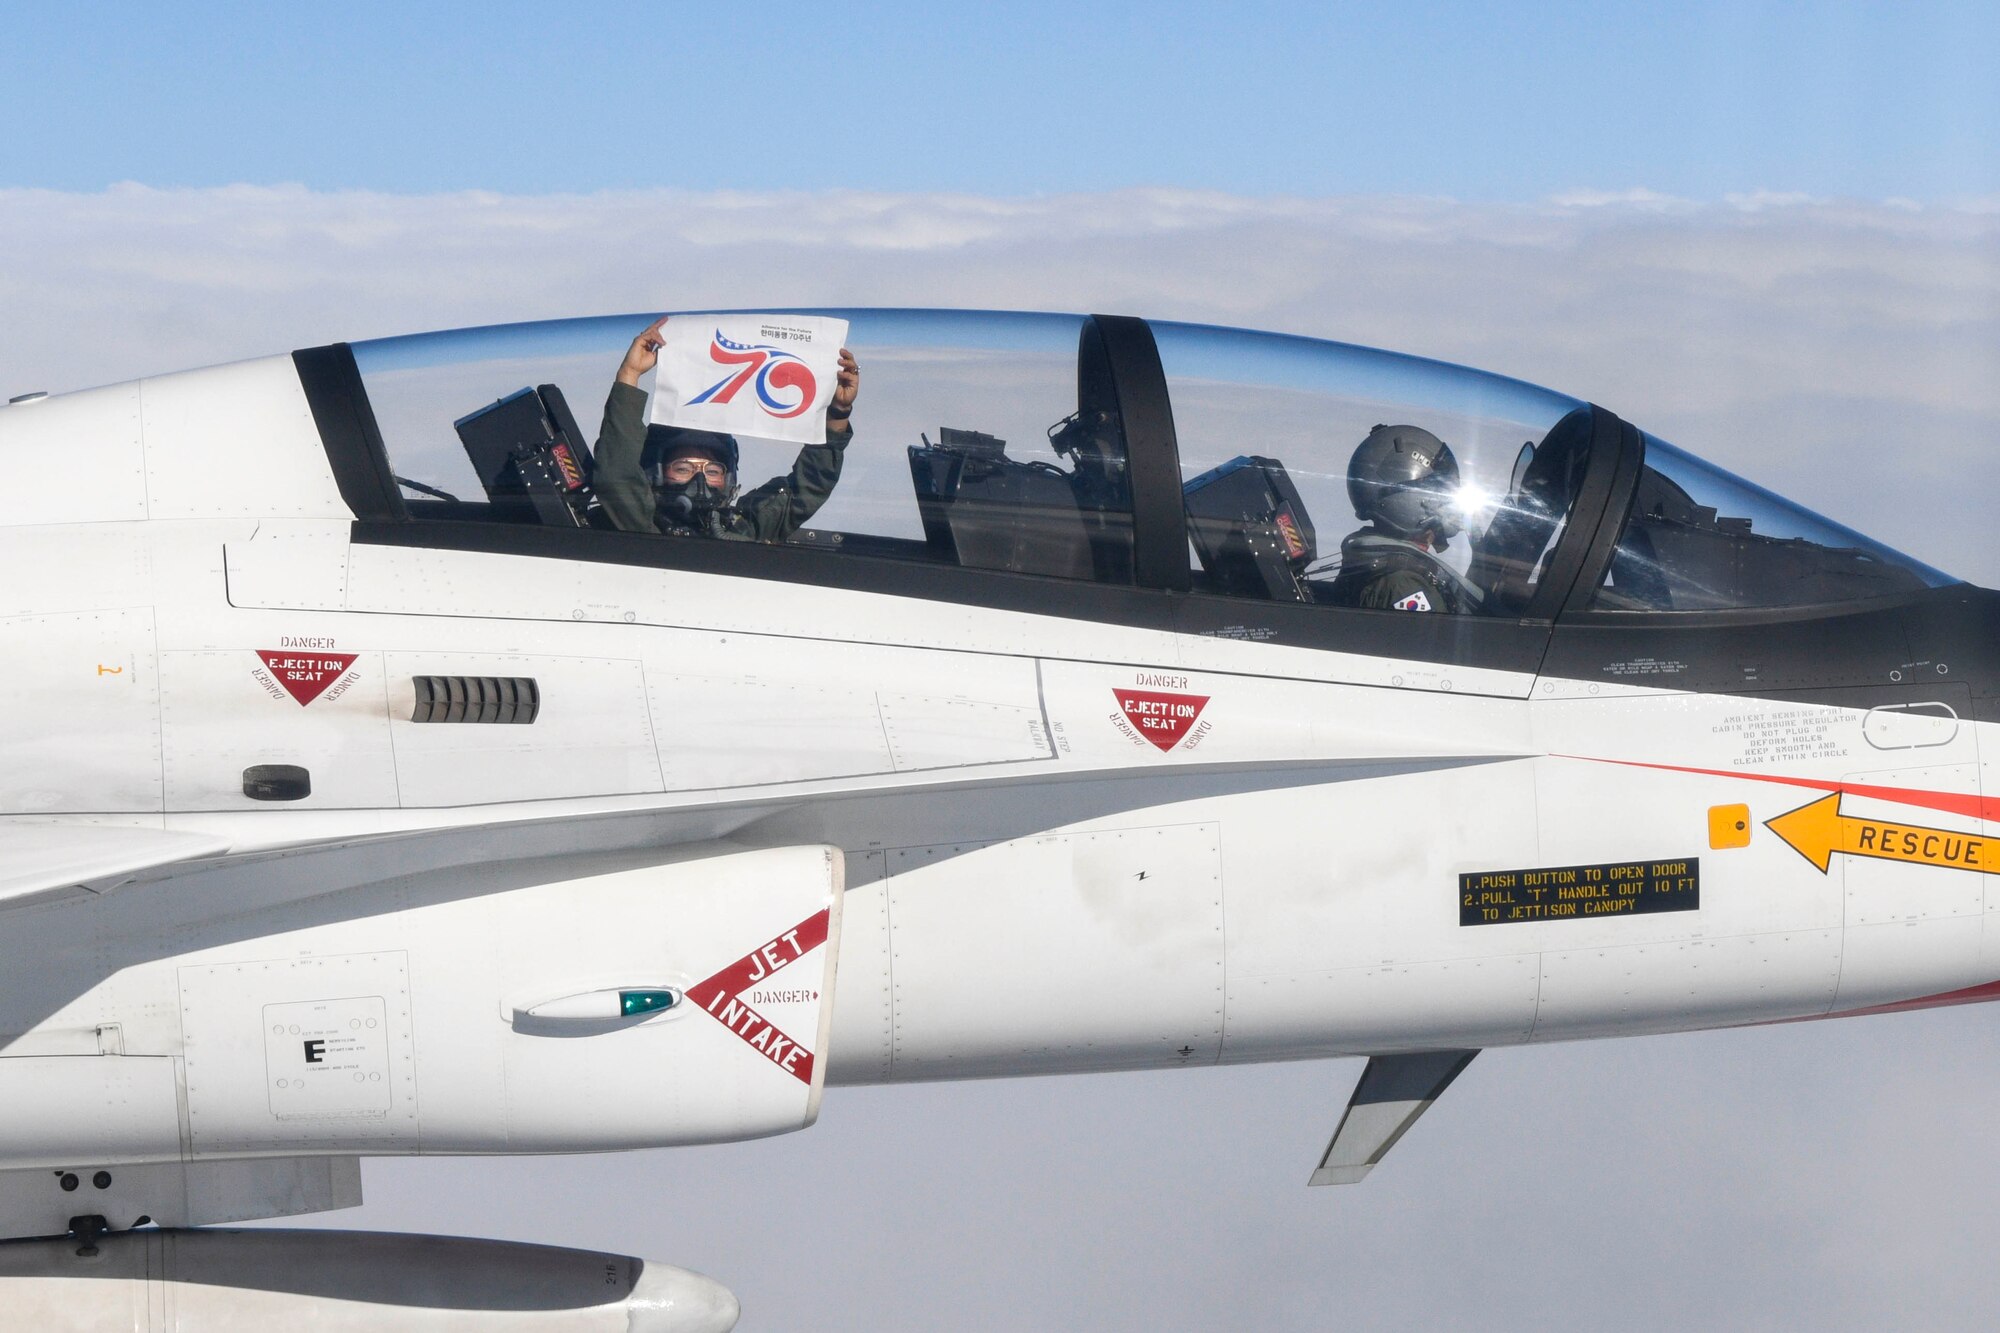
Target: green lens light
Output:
[(632, 1002)]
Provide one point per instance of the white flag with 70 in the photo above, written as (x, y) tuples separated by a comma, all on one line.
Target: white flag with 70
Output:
[(769, 376)]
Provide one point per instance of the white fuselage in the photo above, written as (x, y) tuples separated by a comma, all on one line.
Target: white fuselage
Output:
[(1055, 845)]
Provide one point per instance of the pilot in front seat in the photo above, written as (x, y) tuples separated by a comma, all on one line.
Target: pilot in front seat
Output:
[(696, 495), (1404, 484)]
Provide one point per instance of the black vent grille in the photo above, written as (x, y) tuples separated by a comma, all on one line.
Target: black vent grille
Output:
[(515, 699)]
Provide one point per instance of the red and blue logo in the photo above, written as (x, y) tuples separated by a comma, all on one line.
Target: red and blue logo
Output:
[(776, 373)]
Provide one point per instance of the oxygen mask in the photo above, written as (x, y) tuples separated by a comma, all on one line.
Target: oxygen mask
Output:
[(695, 485)]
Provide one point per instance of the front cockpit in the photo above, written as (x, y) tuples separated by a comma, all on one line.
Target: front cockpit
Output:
[(1695, 538)]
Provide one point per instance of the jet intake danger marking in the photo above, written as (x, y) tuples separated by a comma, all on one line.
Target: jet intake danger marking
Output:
[(1576, 893), (721, 996), (1162, 719), (305, 676), (1817, 830)]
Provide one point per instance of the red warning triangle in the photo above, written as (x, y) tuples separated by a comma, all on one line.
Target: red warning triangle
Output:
[(723, 995), (305, 676), (1160, 717)]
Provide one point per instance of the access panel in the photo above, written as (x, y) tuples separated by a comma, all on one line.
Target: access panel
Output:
[(678, 1002)]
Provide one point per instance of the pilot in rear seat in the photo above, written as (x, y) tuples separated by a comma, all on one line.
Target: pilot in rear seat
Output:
[(696, 494), (1404, 483)]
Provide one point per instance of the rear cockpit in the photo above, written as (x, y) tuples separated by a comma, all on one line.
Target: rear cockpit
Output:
[(1320, 482)]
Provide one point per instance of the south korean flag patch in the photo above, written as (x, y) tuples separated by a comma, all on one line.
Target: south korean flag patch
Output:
[(1416, 601)]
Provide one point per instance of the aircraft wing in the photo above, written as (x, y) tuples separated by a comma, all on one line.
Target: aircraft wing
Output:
[(39, 861)]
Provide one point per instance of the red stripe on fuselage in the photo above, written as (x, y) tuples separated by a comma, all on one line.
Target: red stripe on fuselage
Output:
[(1951, 802), (1970, 995)]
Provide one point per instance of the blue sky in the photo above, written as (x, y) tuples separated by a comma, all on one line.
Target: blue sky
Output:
[(1478, 102)]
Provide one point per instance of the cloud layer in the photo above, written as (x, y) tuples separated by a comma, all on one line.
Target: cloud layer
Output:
[(1846, 353)]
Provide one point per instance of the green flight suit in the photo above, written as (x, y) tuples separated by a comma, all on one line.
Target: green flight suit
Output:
[(770, 513), (1385, 573)]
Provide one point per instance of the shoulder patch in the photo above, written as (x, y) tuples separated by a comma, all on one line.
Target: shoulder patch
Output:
[(1416, 601)]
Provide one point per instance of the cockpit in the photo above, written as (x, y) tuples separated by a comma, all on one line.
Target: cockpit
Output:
[(1081, 452)]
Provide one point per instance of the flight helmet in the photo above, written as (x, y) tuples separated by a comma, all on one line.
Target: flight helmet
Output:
[(1404, 480), (665, 442)]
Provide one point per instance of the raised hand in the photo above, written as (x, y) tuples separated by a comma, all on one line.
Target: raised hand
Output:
[(643, 354), (846, 386)]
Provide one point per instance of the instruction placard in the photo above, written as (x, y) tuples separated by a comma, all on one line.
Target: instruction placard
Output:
[(1575, 893)]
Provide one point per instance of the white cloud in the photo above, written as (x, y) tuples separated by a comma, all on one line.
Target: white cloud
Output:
[(1650, 200), (1756, 201)]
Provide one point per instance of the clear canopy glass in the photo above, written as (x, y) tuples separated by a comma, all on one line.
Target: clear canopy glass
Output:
[(1701, 539), (1312, 471), (958, 453), (1272, 432)]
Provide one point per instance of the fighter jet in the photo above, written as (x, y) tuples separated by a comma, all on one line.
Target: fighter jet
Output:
[(387, 771)]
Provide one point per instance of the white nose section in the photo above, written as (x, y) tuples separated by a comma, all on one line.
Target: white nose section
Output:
[(674, 1300)]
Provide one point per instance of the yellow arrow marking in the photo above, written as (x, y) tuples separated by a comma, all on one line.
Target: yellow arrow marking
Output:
[(1818, 830)]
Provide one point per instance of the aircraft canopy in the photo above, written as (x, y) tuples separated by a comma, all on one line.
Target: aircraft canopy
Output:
[(1110, 452)]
